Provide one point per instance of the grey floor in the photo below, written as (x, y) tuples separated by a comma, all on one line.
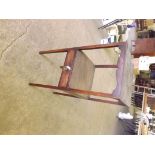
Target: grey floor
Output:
[(32, 110)]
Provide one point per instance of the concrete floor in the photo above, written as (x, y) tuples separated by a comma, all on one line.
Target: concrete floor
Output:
[(31, 110)]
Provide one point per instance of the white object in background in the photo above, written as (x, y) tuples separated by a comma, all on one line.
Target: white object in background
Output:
[(150, 116), (108, 40), (104, 41), (125, 115), (148, 109), (145, 61), (112, 39), (145, 118)]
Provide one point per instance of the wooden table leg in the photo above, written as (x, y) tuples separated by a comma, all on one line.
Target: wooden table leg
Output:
[(106, 66), (92, 99), (89, 47), (55, 51), (79, 91)]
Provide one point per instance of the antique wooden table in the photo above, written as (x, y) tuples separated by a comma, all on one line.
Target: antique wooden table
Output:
[(78, 69)]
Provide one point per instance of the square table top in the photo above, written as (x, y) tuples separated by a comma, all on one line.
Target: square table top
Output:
[(82, 73)]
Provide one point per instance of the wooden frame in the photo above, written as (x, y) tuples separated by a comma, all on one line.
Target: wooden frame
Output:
[(69, 61)]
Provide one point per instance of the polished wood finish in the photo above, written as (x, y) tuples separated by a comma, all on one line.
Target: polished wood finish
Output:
[(86, 92), (92, 99), (55, 51), (90, 47), (106, 66), (100, 66), (99, 46), (82, 68), (66, 74), (82, 73), (106, 101), (63, 94)]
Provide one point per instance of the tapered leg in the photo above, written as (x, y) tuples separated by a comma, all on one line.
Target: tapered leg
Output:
[(79, 91), (106, 66), (89, 47), (99, 46), (55, 51), (92, 99), (63, 94), (107, 101)]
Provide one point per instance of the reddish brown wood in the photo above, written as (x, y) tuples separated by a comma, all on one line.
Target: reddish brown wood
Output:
[(137, 55), (105, 66), (92, 99), (55, 51), (66, 74), (89, 47), (144, 47), (69, 95), (106, 101), (85, 92)]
